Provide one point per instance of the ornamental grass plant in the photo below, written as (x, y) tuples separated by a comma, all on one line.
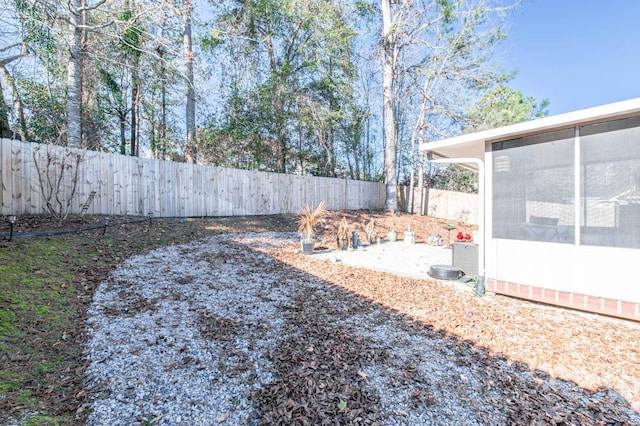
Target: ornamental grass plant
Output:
[(309, 219)]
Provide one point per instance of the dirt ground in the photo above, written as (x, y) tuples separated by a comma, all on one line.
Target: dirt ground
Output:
[(593, 351)]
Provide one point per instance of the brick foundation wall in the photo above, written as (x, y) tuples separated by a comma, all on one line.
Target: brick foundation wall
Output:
[(583, 302)]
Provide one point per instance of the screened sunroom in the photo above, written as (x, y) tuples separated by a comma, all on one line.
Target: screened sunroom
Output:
[(561, 198)]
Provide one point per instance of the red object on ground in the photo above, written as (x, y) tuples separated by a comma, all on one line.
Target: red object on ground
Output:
[(460, 237), (467, 237)]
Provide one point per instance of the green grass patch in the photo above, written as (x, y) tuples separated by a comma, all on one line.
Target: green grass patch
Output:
[(10, 382), (42, 421), (7, 318), (44, 367), (26, 398), (38, 305), (43, 310), (34, 276)]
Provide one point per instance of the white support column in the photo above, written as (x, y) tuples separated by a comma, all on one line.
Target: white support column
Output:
[(577, 186), (481, 202)]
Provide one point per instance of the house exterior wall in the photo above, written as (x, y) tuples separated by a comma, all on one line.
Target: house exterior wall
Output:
[(584, 302), (599, 271), (566, 271)]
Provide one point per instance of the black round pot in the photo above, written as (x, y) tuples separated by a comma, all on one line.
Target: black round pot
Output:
[(444, 272)]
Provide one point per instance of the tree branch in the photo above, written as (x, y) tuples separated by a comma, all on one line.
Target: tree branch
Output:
[(9, 59), (11, 46), (95, 6)]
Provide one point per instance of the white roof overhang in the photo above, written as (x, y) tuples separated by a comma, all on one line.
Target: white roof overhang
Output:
[(472, 145)]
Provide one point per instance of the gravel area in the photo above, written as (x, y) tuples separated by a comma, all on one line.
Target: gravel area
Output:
[(219, 332)]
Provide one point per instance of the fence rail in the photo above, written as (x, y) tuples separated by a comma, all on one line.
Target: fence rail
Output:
[(34, 175)]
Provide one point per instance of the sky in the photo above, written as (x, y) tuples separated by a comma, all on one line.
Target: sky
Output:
[(575, 53)]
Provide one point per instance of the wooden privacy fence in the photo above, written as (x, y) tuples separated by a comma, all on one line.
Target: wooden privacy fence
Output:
[(450, 205), (33, 175)]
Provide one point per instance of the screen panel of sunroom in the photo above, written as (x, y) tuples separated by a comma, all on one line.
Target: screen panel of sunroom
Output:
[(611, 183), (533, 187)]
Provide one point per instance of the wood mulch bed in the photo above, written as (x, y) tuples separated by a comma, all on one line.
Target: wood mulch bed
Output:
[(591, 350)]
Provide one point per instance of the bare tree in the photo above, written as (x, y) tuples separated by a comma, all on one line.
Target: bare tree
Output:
[(390, 51), (190, 145), (77, 25), (444, 48), (17, 102), (58, 170)]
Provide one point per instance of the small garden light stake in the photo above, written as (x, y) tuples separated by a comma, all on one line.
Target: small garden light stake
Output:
[(12, 222), (106, 223), (150, 214)]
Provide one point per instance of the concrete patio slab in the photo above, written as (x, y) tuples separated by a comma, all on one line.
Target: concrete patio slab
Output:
[(412, 260)]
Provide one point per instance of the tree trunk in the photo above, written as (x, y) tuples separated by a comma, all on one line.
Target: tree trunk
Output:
[(366, 161), (348, 154), (357, 146), (421, 184), (281, 128), (18, 109), (190, 153), (74, 77), (135, 108), (153, 134), (123, 133), (412, 177), (5, 130), (159, 150), (388, 43), (163, 115), (299, 154), (281, 166)]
